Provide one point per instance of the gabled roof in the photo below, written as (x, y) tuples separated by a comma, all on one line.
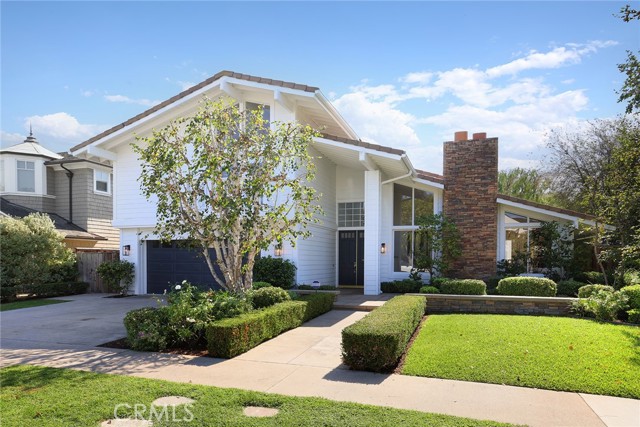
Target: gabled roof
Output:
[(30, 147), (363, 144), (68, 229), (430, 176), (546, 207)]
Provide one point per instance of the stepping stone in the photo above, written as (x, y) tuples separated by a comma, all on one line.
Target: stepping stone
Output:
[(171, 401), (126, 422), (259, 411)]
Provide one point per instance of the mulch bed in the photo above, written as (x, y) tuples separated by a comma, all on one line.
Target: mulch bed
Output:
[(122, 343)]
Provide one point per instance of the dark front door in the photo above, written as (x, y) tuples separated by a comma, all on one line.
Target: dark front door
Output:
[(351, 258)]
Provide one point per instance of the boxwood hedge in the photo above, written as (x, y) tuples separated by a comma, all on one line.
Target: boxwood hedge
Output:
[(463, 287), (527, 286), (588, 290)]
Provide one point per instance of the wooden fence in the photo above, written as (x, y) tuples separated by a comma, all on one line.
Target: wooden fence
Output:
[(88, 262)]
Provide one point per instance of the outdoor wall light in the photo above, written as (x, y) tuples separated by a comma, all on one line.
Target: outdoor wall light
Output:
[(383, 248), (278, 250)]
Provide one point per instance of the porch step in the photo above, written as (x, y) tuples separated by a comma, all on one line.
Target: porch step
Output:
[(354, 307)]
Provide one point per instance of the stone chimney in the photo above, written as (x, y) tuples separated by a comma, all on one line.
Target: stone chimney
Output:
[(470, 192)]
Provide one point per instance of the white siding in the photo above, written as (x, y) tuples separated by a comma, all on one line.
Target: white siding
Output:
[(350, 184), (372, 222)]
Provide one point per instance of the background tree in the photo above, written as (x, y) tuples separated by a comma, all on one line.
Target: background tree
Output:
[(527, 184), (439, 241), (229, 180), (630, 91)]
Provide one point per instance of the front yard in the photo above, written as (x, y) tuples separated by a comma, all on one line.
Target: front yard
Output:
[(15, 305), (55, 397), (543, 352)]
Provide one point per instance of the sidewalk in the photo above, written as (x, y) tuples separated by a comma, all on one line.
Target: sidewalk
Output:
[(306, 362)]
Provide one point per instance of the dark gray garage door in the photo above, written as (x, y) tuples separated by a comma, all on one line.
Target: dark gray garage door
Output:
[(171, 263)]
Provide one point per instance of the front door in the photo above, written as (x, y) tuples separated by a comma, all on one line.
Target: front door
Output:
[(351, 258)]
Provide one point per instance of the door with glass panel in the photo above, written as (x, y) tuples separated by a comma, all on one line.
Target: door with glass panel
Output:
[(351, 258)]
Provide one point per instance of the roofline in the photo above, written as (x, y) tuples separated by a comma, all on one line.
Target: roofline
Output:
[(363, 144), (8, 151), (336, 115), (191, 90), (76, 160), (566, 212)]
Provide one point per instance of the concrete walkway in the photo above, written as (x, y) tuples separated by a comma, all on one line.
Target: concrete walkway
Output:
[(306, 362)]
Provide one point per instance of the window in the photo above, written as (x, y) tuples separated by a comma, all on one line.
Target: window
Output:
[(102, 182), (26, 176), (517, 234), (351, 214), (409, 204)]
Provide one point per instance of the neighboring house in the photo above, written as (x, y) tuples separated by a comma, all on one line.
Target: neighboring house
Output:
[(75, 193), (371, 195)]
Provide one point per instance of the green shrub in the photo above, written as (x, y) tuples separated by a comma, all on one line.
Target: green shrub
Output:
[(587, 290), (8, 293), (266, 297), (305, 287), (569, 287), (429, 290), (438, 281), (146, 329), (463, 287), (259, 285), (631, 277), (592, 277), (633, 295), (633, 315), (327, 288), (46, 290), (317, 304), (118, 275), (527, 286), (603, 304), (401, 286), (277, 271), (376, 342), (492, 283)]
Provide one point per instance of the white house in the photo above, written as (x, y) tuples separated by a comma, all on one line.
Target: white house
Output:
[(371, 195)]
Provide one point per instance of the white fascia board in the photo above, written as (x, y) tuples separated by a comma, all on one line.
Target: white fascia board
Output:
[(369, 151), (100, 153), (282, 98), (540, 210), (366, 161), (331, 110), (430, 183)]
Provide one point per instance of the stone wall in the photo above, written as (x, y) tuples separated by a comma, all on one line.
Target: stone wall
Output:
[(498, 304), (470, 193)]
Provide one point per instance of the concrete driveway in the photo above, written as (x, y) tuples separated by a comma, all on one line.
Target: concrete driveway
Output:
[(85, 321)]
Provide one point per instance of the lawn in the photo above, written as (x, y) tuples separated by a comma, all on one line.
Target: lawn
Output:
[(61, 397), (555, 353), (29, 303)]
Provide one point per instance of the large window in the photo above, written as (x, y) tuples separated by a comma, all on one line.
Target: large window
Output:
[(518, 234), (26, 176), (408, 205), (102, 182), (351, 214)]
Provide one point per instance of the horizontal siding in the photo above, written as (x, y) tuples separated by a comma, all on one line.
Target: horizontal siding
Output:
[(42, 204), (131, 207)]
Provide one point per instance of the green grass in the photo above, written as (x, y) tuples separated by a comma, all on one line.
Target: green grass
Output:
[(552, 353), (29, 303), (61, 397)]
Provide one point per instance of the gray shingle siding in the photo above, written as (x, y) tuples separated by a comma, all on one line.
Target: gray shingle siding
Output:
[(43, 204)]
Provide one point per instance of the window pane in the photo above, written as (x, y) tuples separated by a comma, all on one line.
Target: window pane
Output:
[(266, 110), (402, 251), (102, 186), (27, 180), (423, 204), (401, 205), (535, 220), (515, 242), (511, 218)]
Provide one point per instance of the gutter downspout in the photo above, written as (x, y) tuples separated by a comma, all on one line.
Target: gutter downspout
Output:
[(70, 176), (406, 162)]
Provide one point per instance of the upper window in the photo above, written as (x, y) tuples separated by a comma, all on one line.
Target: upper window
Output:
[(266, 110), (26, 176), (351, 214), (409, 204), (101, 182)]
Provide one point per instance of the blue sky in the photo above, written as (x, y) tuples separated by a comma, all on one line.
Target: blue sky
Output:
[(405, 75)]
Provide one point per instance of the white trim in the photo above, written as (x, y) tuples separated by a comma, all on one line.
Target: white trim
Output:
[(427, 182), (370, 151), (331, 110), (537, 210), (108, 181)]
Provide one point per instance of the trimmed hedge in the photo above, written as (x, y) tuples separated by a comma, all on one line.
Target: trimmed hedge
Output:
[(259, 285), (634, 315), (267, 296), (277, 271), (45, 290), (230, 337), (527, 286), (146, 329), (438, 281), (376, 342), (401, 286), (633, 293), (463, 287), (588, 290), (429, 290), (592, 277), (569, 287)]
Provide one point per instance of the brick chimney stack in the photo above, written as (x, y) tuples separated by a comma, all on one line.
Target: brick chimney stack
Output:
[(470, 193)]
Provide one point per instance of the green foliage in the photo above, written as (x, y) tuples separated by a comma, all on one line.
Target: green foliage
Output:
[(633, 315), (442, 239), (429, 290), (551, 249), (569, 287), (258, 285), (265, 297), (438, 281), (588, 290), (464, 287), (604, 305), (591, 277), (512, 267), (146, 329), (527, 286), (118, 275), (33, 252), (400, 286), (317, 304), (327, 288), (630, 91), (633, 295), (43, 290), (527, 184), (8, 293), (277, 271), (631, 277), (230, 180), (376, 342)]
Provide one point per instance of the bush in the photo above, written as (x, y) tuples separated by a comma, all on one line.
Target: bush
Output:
[(259, 285), (47, 290), (118, 275), (603, 304), (438, 281), (317, 304), (633, 315), (400, 286), (277, 271), (587, 290), (464, 287), (527, 286), (633, 295), (33, 252), (569, 287), (429, 290), (305, 287), (376, 342), (327, 288), (631, 277), (146, 329), (591, 277), (8, 293), (266, 297)]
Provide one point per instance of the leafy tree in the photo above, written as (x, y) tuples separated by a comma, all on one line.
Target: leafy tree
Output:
[(441, 239), (527, 184), (229, 180), (630, 91)]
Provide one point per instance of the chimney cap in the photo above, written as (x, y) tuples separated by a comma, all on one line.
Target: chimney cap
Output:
[(480, 135), (462, 135)]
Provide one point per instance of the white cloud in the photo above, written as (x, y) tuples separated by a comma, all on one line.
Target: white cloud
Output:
[(419, 77), (87, 93), (61, 126), (9, 138), (126, 100)]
